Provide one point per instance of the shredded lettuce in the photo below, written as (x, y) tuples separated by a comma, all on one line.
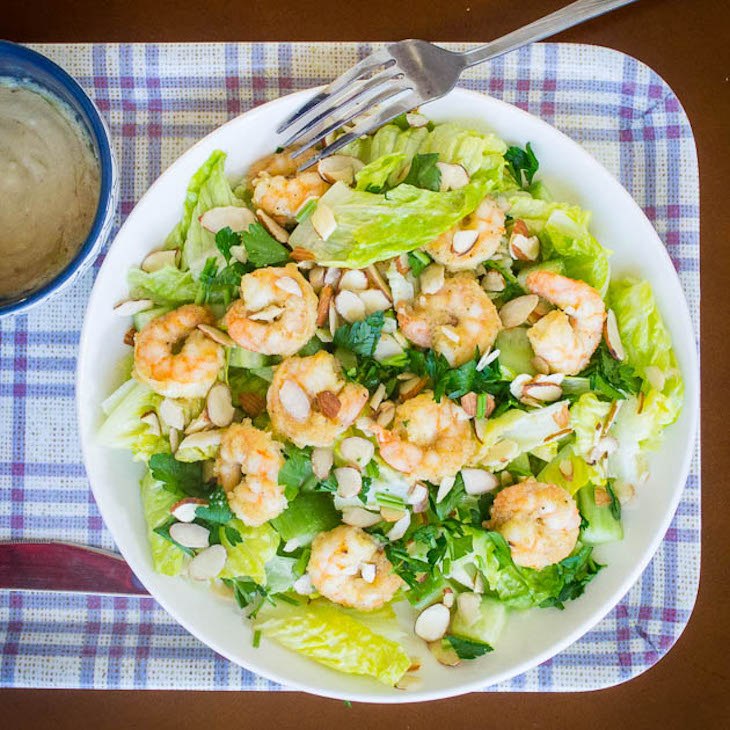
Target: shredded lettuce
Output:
[(167, 558)]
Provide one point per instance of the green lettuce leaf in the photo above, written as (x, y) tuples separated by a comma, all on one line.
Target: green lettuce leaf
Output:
[(157, 499), (373, 227), (248, 557), (167, 286), (334, 638), (373, 178)]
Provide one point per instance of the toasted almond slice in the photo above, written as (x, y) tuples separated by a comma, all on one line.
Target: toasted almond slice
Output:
[(316, 278), (453, 176), (416, 120), (562, 417), (172, 413), (545, 392), (328, 403), (516, 311), (267, 314), (295, 401), (131, 307), (524, 248), (350, 306), (208, 563), (478, 481), (323, 458), (566, 469), (277, 231), (433, 622), (445, 486), (444, 653), (400, 527), (332, 275), (378, 281), (252, 404), (220, 407), (612, 336), (386, 414), (301, 254), (339, 168), (412, 388), (517, 385), (469, 404), (185, 510), (153, 423), (540, 365), (227, 216), (129, 336), (493, 281), (390, 514), (557, 435), (417, 494), (199, 423), (448, 598), (159, 259), (323, 221), (378, 396), (357, 450), (368, 572), (190, 535), (222, 338), (359, 517), (487, 359), (349, 481), (463, 241), (611, 416), (374, 301), (174, 436), (201, 440), (354, 280), (332, 317), (432, 278), (480, 428), (323, 308), (289, 285)]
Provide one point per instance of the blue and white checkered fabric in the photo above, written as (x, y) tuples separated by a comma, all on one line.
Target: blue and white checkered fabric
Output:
[(159, 99)]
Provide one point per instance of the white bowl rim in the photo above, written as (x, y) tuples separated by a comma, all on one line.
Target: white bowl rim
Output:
[(690, 409)]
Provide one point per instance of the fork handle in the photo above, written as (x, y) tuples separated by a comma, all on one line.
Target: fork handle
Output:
[(566, 17)]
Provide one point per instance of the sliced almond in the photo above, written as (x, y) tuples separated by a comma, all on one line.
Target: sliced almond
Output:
[(227, 216), (487, 359), (463, 241), (185, 510), (417, 494), (516, 311), (374, 301), (445, 486), (357, 450), (444, 653), (378, 396), (368, 572), (301, 254), (200, 423), (174, 436), (339, 168), (432, 278), (469, 404), (524, 248), (493, 281), (153, 423), (190, 535), (566, 469), (278, 232), (129, 336), (220, 407), (542, 366), (480, 428), (267, 314), (350, 306), (612, 336), (130, 307), (208, 563), (323, 308), (216, 335), (453, 176), (201, 440), (391, 514), (411, 388), (349, 481), (400, 527), (159, 260), (478, 481), (556, 436), (448, 598), (502, 452), (328, 403), (433, 622), (172, 413), (378, 281), (386, 414), (332, 318), (611, 416), (450, 334), (354, 280), (359, 517), (252, 404), (289, 285), (332, 275), (562, 416), (316, 278), (519, 226), (323, 221), (544, 392), (323, 458), (416, 120), (295, 401)]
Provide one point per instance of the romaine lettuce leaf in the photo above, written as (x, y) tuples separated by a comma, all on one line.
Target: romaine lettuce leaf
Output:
[(332, 637), (374, 176), (167, 558), (248, 558), (167, 286)]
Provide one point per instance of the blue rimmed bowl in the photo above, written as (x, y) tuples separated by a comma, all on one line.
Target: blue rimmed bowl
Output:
[(25, 66)]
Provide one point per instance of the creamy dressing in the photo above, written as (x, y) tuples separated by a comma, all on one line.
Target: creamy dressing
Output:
[(49, 189)]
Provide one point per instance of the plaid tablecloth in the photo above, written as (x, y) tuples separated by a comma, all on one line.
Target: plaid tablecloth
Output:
[(159, 99)]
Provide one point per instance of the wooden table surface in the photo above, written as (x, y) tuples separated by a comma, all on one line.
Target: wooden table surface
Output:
[(688, 43)]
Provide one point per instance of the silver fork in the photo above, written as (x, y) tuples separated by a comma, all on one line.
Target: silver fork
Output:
[(404, 75)]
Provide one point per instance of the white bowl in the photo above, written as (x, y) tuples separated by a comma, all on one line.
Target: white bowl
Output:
[(531, 637)]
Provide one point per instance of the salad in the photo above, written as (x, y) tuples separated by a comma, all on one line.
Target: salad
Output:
[(404, 378)]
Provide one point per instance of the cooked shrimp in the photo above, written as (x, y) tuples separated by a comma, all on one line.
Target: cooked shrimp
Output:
[(565, 338), (455, 321), (279, 190), (428, 440), (277, 311), (310, 402), (187, 372), (335, 568), (247, 467), (483, 231), (540, 522)]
